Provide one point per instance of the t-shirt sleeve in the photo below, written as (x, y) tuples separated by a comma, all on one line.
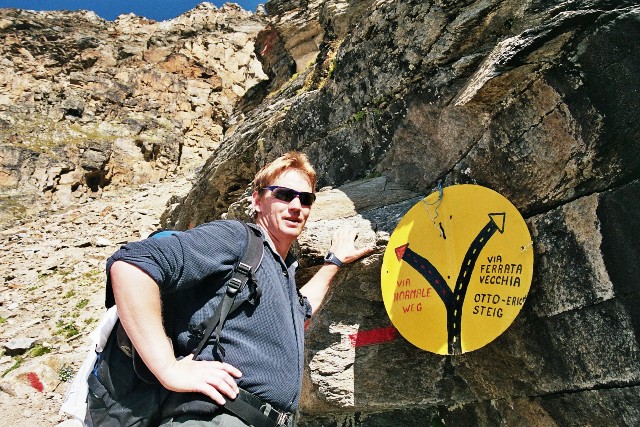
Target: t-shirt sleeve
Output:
[(180, 261), (308, 310)]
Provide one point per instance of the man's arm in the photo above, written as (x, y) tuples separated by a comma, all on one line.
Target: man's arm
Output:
[(343, 246), (140, 310)]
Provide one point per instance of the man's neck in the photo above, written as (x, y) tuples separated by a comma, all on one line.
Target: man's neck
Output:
[(281, 248)]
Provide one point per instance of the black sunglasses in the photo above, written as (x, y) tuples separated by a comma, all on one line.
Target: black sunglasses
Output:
[(287, 194)]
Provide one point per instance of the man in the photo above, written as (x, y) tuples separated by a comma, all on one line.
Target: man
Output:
[(180, 277)]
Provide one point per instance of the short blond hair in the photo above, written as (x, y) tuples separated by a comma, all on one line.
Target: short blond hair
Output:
[(291, 160)]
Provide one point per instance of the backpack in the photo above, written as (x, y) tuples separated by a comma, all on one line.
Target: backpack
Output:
[(127, 393)]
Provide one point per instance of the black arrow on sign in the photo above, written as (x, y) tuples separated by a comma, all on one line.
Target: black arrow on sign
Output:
[(453, 301)]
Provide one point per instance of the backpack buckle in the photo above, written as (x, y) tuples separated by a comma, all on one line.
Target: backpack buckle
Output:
[(244, 268), (283, 419), (233, 286)]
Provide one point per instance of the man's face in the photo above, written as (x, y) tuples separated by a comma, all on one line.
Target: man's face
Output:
[(283, 220)]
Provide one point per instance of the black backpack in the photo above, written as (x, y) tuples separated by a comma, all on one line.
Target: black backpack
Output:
[(123, 391)]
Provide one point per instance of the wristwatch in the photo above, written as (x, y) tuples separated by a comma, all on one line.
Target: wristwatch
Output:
[(333, 259)]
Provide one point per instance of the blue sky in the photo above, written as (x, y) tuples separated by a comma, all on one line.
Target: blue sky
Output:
[(159, 10)]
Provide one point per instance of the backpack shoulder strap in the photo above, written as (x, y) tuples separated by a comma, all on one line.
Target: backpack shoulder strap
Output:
[(243, 274)]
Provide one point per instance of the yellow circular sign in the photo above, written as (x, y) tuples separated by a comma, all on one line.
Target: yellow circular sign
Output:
[(457, 269)]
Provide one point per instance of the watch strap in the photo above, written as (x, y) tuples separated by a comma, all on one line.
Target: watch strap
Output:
[(333, 259)]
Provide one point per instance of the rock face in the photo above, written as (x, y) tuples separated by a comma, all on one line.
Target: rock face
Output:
[(536, 100), (86, 103)]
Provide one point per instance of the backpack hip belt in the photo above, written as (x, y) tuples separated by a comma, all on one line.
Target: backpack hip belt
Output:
[(256, 412)]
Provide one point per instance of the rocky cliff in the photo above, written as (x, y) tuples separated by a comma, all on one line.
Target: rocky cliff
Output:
[(536, 100), (87, 103)]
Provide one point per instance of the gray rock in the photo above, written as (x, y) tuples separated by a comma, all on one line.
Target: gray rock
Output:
[(18, 346)]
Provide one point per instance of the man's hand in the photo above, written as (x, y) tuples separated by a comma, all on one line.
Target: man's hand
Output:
[(214, 379), (343, 245)]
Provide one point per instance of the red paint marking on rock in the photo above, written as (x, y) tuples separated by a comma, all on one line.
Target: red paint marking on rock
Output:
[(34, 381), (374, 336)]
